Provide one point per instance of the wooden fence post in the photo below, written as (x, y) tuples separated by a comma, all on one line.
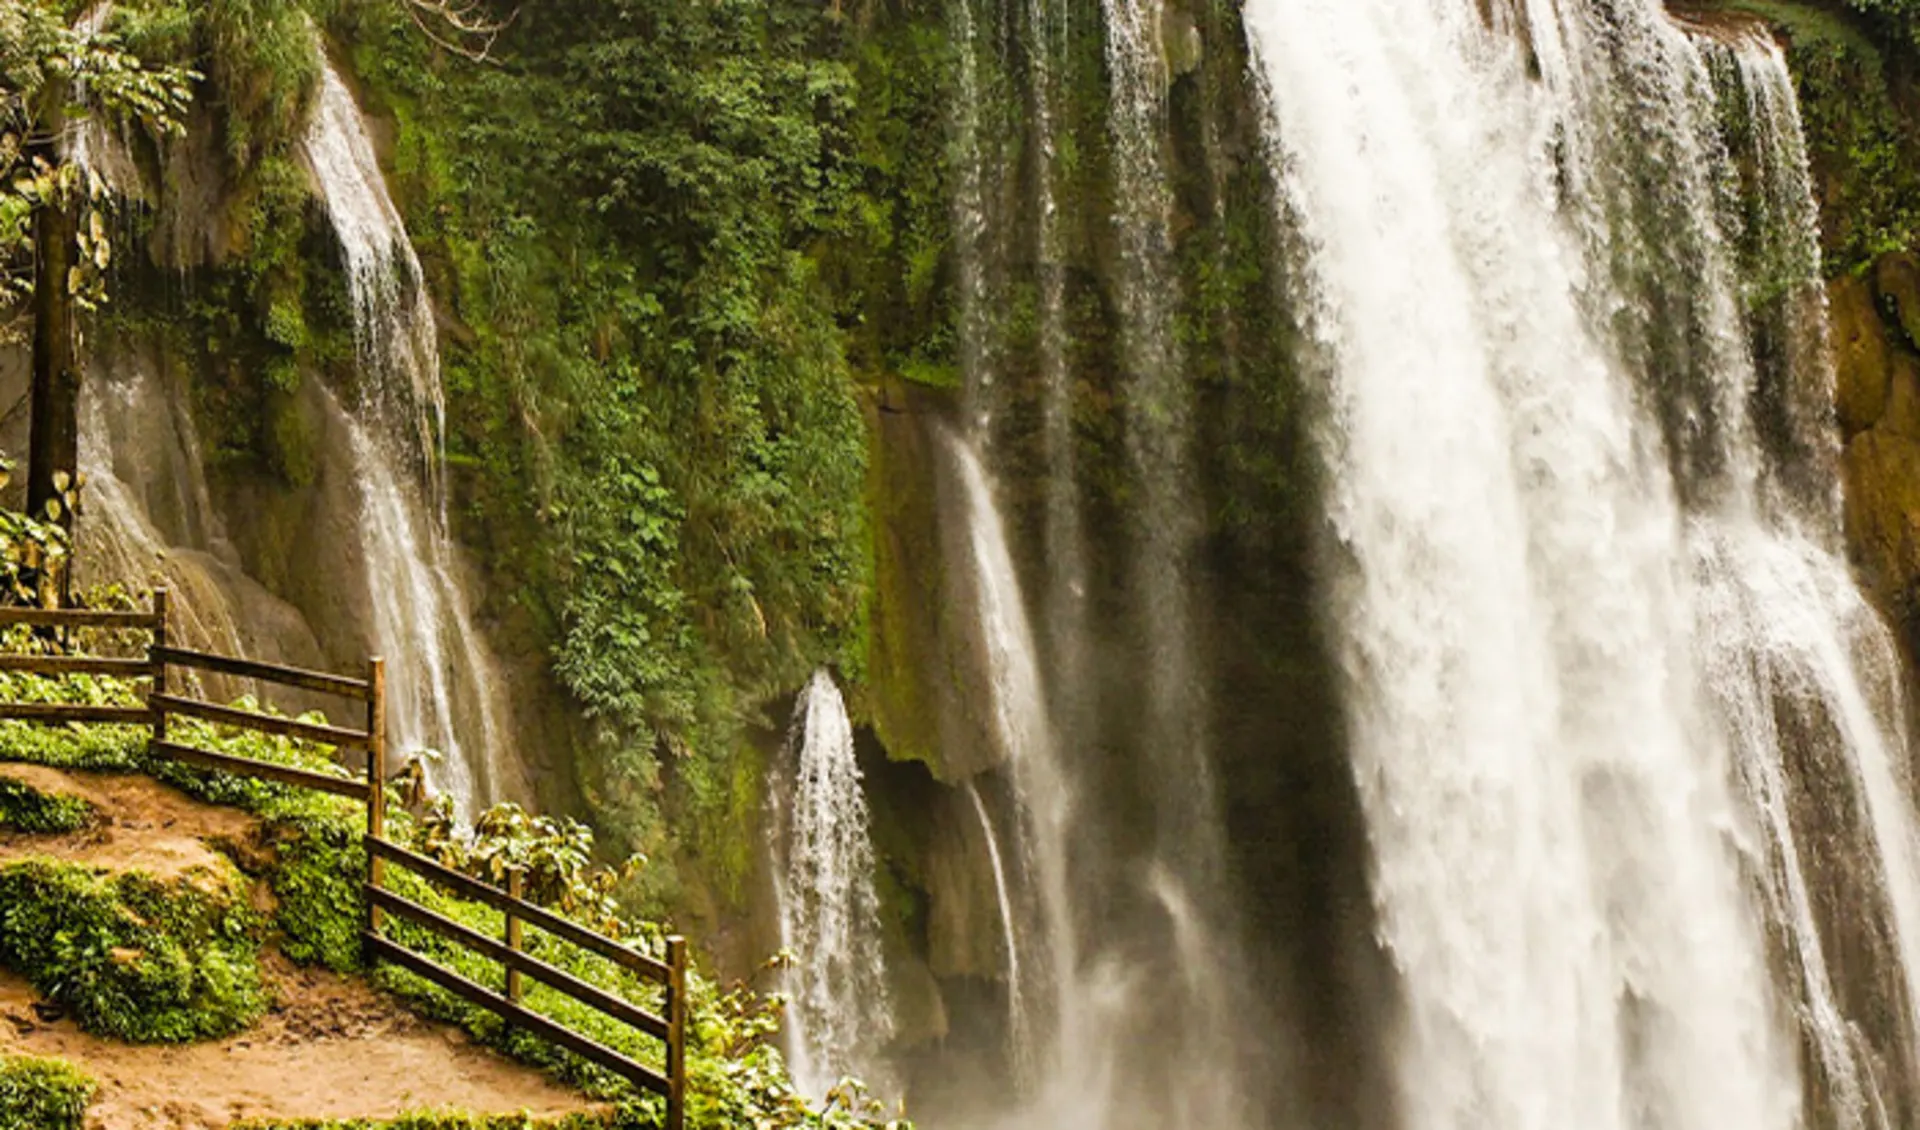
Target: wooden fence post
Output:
[(516, 885), (376, 780), (676, 1032), (158, 676)]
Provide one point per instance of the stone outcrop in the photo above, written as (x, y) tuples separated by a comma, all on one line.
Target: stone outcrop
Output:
[(1878, 405)]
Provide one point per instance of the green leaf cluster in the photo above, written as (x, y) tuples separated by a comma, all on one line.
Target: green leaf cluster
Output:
[(43, 1094), (54, 74)]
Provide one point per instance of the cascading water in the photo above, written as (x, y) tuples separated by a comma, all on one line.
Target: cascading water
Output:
[(1110, 1032), (1019, 1040), (445, 694), (1066, 627), (839, 1016), (1576, 621), (1025, 731)]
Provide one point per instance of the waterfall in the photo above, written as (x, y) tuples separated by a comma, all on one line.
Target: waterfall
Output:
[(971, 229), (838, 1016), (1019, 1040), (1065, 530), (1577, 618), (445, 692), (1024, 730), (1158, 424)]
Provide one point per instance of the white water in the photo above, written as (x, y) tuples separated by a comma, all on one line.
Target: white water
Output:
[(838, 1014), (1025, 732), (1066, 627), (392, 316), (445, 692), (1019, 1040), (967, 154), (1561, 678)]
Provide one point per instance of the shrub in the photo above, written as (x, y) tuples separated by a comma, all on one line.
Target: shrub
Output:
[(42, 1094), (133, 957)]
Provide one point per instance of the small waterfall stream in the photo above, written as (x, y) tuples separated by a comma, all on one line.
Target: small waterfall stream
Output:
[(839, 1015), (1019, 1039), (445, 691)]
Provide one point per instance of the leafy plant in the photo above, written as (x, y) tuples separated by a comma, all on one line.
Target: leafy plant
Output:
[(26, 809), (43, 1094), (45, 65), (554, 857), (133, 957)]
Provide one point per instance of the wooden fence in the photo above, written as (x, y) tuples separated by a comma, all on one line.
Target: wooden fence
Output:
[(368, 697)]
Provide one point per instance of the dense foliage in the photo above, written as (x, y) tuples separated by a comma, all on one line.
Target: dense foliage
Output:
[(52, 75), (42, 1094), (652, 396)]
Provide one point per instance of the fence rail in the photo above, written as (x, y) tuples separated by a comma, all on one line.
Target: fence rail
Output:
[(508, 953), (369, 692)]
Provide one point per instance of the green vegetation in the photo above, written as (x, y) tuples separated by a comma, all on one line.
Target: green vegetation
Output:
[(42, 1094), (1860, 126), (143, 960), (1859, 141), (669, 301), (24, 808), (133, 957), (44, 64)]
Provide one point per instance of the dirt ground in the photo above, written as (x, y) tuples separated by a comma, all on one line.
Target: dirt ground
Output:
[(332, 1046), (144, 825)]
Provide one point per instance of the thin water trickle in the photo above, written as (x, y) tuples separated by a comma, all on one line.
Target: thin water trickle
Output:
[(1019, 1040), (839, 1018)]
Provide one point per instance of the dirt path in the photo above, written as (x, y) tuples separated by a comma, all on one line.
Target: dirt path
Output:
[(144, 825), (332, 1047)]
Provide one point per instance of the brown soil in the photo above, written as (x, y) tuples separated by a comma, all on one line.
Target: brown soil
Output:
[(144, 825), (331, 1047)]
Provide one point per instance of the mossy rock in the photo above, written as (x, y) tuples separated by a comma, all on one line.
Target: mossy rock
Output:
[(1896, 281), (927, 659), (132, 957), (1862, 356), (1882, 473)]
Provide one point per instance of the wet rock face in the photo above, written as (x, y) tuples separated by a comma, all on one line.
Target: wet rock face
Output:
[(929, 658), (1878, 405)]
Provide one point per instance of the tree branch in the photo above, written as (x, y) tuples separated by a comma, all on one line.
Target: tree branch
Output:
[(463, 27)]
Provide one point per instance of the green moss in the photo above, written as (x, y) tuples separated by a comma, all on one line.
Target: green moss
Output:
[(71, 747), (133, 957), (43, 1094), (26, 809), (317, 861)]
